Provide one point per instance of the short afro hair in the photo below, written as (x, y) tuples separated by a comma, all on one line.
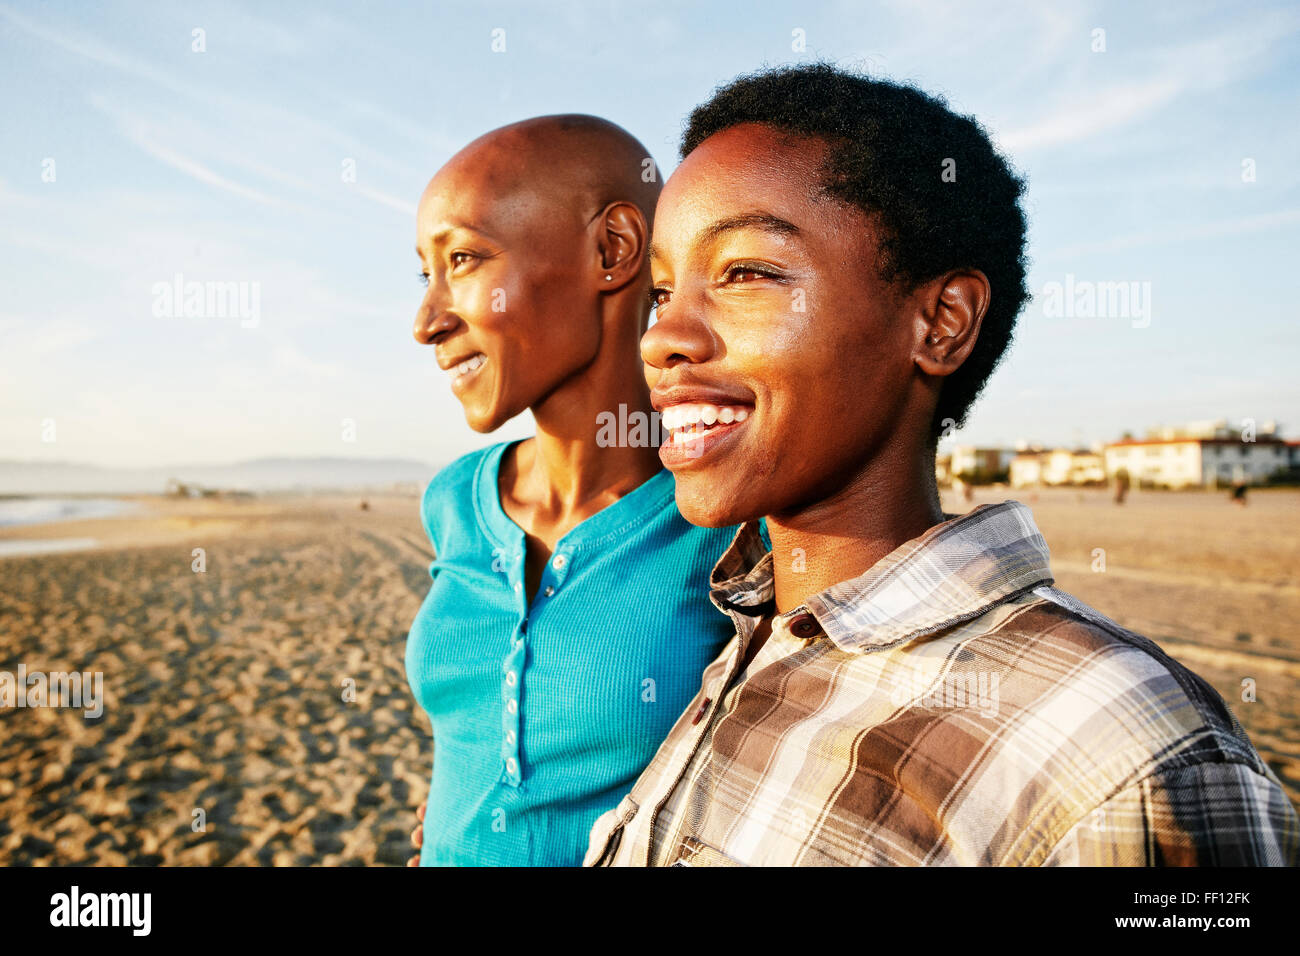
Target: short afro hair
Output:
[(890, 145)]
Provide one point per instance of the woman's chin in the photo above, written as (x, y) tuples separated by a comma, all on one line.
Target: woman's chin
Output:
[(485, 420), (708, 509)]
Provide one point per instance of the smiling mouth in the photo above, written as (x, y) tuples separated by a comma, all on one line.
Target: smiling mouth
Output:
[(690, 421), (463, 370), (688, 424)]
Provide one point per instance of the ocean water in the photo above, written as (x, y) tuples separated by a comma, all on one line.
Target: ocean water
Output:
[(18, 548), (24, 511)]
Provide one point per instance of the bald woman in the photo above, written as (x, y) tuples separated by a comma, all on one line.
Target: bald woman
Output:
[(568, 620)]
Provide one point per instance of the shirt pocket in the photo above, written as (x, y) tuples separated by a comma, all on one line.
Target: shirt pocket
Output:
[(607, 833)]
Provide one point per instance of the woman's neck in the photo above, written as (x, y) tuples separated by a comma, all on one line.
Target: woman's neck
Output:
[(594, 439), (892, 500)]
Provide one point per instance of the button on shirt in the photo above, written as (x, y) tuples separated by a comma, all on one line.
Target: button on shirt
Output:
[(545, 711), (949, 706)]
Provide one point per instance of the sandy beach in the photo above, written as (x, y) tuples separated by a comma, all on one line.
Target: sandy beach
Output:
[(224, 689)]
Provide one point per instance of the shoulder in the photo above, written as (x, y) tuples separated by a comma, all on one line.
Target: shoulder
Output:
[(462, 472), (1159, 695), (1084, 714), (450, 493), (1205, 814), (1109, 705)]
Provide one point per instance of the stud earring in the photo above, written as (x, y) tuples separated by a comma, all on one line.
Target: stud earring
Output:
[(608, 277)]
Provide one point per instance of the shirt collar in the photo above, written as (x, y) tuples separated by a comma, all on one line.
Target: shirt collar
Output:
[(955, 571)]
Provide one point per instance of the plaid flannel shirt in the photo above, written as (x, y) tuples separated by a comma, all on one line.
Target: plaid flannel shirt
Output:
[(949, 706)]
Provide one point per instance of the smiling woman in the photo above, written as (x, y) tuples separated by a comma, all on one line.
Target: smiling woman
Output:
[(568, 619), (815, 267)]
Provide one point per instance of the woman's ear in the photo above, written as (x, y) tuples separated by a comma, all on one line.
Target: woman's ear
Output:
[(622, 240), (949, 312)]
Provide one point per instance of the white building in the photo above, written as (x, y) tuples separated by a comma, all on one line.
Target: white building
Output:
[(1188, 461), (1027, 470), (1059, 466), (984, 462)]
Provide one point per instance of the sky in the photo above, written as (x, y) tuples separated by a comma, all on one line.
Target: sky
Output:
[(283, 147)]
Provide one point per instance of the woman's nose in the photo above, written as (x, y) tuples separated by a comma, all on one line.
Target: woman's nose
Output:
[(432, 322), (678, 335)]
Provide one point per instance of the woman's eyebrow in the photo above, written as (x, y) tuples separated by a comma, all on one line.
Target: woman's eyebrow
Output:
[(447, 229), (749, 220)]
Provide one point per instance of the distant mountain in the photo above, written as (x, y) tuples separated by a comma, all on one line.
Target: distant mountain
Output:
[(258, 474)]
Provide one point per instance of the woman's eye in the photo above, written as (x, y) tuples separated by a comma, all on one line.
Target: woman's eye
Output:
[(747, 274), (460, 258), (659, 297), (423, 277)]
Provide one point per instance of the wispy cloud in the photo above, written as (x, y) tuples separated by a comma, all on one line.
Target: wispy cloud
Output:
[(392, 202), (1213, 230), (43, 337), (192, 167), (93, 49), (1085, 118), (248, 111), (1201, 64), (135, 129)]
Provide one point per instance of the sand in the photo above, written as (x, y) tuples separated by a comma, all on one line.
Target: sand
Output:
[(224, 689)]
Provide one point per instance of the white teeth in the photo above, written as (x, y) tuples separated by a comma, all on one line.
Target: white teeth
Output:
[(687, 422), (469, 365)]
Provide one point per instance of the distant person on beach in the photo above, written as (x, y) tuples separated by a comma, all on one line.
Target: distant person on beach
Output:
[(905, 686), (568, 620), (1239, 493), (1121, 485)]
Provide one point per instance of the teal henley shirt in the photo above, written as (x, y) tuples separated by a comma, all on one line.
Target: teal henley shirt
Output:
[(545, 714)]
